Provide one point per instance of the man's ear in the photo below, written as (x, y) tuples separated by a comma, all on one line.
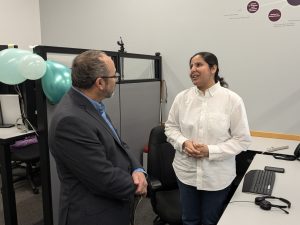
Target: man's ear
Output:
[(99, 83)]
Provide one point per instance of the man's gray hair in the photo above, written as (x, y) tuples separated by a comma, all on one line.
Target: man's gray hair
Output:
[(87, 67)]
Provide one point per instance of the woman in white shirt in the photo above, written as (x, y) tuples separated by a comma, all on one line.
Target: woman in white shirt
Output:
[(208, 127)]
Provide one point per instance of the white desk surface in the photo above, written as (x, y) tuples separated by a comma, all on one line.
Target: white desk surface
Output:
[(261, 144), (287, 185), (11, 132)]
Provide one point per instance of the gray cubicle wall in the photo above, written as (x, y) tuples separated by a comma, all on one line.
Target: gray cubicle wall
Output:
[(139, 112), (139, 107)]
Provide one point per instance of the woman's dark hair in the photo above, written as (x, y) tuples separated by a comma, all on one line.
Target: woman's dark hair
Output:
[(212, 60)]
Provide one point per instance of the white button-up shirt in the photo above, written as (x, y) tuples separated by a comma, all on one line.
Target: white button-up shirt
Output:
[(218, 119)]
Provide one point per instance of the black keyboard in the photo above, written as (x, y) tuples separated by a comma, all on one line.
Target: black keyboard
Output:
[(259, 182)]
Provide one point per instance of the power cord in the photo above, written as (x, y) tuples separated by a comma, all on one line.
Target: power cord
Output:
[(137, 201), (120, 108), (239, 201), (279, 207), (23, 114)]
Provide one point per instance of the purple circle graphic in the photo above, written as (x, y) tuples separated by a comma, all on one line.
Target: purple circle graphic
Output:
[(294, 2), (274, 15), (253, 7)]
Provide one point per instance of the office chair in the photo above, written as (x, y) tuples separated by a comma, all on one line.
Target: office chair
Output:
[(243, 161), (162, 188), (30, 156)]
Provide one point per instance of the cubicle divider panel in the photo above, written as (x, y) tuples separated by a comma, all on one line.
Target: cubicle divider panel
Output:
[(135, 112)]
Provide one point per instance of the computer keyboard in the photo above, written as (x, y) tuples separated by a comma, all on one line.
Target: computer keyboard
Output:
[(259, 182)]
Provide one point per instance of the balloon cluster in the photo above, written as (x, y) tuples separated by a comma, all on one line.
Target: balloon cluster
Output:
[(17, 65)]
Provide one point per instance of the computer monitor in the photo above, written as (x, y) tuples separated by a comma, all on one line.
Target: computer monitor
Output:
[(10, 110)]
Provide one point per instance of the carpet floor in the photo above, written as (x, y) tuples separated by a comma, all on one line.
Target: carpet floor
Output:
[(30, 209)]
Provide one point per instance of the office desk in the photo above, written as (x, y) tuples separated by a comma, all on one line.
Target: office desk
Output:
[(287, 185), (7, 137), (261, 144)]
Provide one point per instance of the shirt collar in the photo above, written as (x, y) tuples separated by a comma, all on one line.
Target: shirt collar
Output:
[(210, 91), (100, 107)]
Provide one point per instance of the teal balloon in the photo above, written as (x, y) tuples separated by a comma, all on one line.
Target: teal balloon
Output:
[(9, 64), (32, 66), (56, 81)]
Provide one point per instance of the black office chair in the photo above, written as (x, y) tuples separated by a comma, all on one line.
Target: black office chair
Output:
[(163, 190), (243, 161), (30, 156)]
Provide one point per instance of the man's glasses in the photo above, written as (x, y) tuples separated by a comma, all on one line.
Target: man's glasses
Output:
[(116, 76)]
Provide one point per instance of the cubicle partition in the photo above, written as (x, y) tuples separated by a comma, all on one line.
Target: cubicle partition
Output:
[(134, 110)]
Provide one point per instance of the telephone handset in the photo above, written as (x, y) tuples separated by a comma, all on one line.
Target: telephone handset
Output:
[(297, 152), (296, 155)]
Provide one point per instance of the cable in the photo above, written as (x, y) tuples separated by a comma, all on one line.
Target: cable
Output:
[(279, 207), (120, 108), (163, 98), (23, 113), (240, 201), (137, 201)]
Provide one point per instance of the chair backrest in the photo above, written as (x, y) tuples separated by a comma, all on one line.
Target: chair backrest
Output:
[(160, 158)]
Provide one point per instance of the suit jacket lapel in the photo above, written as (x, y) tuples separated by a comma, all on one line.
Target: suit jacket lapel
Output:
[(91, 110), (93, 113)]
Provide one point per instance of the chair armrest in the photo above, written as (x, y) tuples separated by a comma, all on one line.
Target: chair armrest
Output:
[(154, 184)]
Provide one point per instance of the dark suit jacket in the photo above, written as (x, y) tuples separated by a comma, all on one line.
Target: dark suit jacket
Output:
[(93, 166)]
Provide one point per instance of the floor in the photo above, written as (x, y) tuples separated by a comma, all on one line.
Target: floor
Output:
[(29, 207)]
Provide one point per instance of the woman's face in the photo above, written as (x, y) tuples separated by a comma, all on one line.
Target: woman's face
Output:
[(201, 74)]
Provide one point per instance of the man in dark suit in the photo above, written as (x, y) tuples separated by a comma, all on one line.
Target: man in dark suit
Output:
[(98, 173)]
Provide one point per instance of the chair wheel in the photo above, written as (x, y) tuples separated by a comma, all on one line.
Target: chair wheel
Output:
[(36, 191)]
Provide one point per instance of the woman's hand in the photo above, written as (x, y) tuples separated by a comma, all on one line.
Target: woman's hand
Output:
[(195, 150)]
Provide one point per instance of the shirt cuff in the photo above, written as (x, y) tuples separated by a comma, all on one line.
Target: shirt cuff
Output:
[(140, 170), (180, 142), (214, 152)]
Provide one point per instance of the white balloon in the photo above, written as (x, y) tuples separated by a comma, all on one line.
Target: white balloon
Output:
[(32, 66)]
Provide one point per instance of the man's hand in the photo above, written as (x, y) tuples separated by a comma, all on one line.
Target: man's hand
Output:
[(140, 181)]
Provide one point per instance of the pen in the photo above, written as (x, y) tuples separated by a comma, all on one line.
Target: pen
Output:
[(273, 149)]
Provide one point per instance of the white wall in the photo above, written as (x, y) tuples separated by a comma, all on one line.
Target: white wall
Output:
[(20, 23), (258, 58)]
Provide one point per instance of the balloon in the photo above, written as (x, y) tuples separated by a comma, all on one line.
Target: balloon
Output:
[(56, 81), (9, 59), (32, 66)]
